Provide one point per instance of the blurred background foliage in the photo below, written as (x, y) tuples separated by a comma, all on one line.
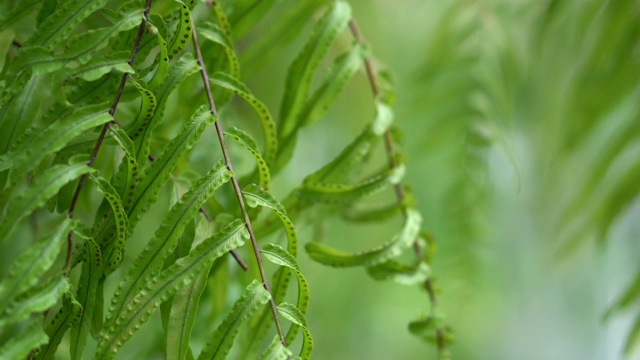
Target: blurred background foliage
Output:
[(521, 130)]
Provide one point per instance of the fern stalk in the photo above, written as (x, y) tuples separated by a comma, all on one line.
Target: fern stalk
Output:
[(236, 186), (399, 190), (105, 128)]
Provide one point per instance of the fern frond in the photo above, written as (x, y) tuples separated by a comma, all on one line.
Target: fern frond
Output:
[(149, 263), (167, 284)]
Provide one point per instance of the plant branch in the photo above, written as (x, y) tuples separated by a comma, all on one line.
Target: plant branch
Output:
[(105, 127), (236, 186), (400, 194), (206, 215)]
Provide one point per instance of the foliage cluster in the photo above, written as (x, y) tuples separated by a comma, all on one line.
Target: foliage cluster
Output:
[(110, 120)]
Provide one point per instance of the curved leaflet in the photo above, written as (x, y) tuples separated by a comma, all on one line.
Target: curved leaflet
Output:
[(280, 256), (268, 125), (332, 257), (120, 216), (295, 315), (249, 143), (347, 193), (214, 33), (183, 32)]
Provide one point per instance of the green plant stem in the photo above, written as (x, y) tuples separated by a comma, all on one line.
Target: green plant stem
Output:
[(400, 194), (207, 216), (103, 133), (236, 186)]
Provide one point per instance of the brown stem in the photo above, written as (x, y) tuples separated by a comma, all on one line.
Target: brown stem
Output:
[(16, 43), (236, 186), (103, 133), (400, 194), (206, 215)]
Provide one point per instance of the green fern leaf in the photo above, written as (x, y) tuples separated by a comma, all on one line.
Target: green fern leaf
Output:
[(343, 68), (301, 71), (120, 215), (39, 298), (21, 344), (28, 269), (276, 351), (149, 263), (65, 318), (244, 15), (98, 67), (222, 339), (141, 133), (183, 32), (330, 256), (183, 316), (58, 26), (156, 175), (167, 284), (124, 180), (43, 188), (20, 112), (256, 196), (348, 193), (139, 124), (268, 125), (288, 26), (372, 215), (80, 48), (401, 273), (86, 297), (250, 144), (296, 316), (349, 157), (161, 64), (36, 143), (21, 10), (214, 33), (282, 257)]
